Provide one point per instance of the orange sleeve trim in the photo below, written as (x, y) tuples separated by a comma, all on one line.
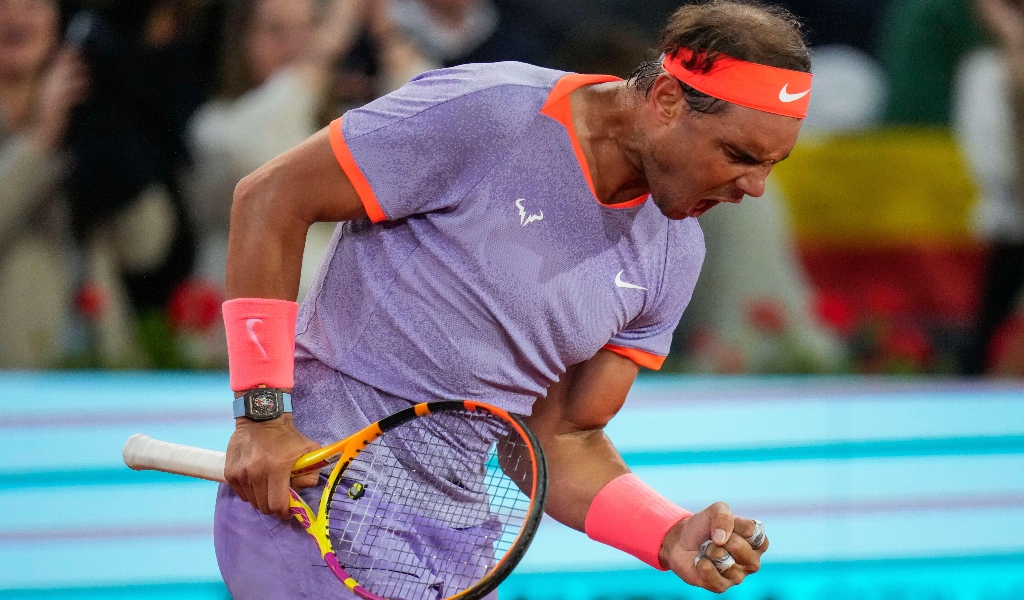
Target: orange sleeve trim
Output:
[(644, 359), (354, 173)]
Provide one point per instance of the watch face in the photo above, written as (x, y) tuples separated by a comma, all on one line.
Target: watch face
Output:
[(263, 403)]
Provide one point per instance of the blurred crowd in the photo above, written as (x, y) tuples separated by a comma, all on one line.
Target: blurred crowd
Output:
[(125, 125)]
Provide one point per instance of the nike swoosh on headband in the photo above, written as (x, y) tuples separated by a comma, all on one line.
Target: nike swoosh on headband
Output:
[(785, 96), (752, 85)]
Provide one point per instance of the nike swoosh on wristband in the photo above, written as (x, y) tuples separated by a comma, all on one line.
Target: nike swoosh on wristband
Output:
[(250, 325), (622, 284), (785, 96)]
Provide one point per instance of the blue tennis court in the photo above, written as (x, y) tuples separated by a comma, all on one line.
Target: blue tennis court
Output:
[(869, 488)]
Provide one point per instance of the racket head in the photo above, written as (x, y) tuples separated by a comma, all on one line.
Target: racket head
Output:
[(440, 497)]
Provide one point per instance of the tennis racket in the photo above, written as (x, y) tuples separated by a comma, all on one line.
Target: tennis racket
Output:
[(440, 499)]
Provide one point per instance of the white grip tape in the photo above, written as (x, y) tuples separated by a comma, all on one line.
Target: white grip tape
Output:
[(142, 452)]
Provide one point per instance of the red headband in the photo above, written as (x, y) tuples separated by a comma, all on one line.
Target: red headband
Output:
[(769, 89)]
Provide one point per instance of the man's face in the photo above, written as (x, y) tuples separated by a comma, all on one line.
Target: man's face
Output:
[(693, 162)]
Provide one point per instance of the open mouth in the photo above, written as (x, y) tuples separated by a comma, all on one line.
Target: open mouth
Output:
[(703, 206)]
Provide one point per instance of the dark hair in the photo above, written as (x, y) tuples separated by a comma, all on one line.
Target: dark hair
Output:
[(743, 29)]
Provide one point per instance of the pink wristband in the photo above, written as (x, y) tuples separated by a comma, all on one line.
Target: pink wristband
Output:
[(627, 514), (261, 342)]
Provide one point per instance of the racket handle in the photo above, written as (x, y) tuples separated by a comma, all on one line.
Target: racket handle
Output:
[(142, 452)]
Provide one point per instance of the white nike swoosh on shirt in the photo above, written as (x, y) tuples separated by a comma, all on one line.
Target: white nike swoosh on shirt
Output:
[(785, 96), (250, 324), (622, 284)]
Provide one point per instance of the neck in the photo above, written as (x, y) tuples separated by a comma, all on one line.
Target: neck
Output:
[(16, 94), (605, 119)]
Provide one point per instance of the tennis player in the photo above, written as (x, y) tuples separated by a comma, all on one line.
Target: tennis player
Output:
[(511, 234)]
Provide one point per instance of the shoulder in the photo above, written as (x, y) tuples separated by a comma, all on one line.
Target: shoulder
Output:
[(687, 237), (681, 239), (683, 259), (476, 77), (508, 92)]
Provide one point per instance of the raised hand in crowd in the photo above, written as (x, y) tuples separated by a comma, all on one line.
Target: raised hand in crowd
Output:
[(64, 86)]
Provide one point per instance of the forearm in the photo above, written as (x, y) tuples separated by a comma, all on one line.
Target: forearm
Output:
[(579, 465), (591, 490)]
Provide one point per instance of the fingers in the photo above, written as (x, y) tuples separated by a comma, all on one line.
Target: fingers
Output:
[(709, 577), (733, 554), (746, 528), (743, 527), (747, 559), (709, 564), (722, 522), (259, 463), (258, 479), (278, 493)]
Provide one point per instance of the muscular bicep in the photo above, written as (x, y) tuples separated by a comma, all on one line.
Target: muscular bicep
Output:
[(569, 423), (271, 214), (587, 397)]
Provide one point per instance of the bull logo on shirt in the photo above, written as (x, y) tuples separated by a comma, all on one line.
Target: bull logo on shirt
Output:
[(526, 220)]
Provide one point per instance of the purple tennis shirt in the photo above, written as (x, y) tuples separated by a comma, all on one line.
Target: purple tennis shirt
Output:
[(487, 265)]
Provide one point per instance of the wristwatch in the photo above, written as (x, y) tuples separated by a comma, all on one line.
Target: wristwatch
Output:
[(263, 404)]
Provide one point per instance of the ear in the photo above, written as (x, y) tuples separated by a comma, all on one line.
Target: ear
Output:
[(667, 98)]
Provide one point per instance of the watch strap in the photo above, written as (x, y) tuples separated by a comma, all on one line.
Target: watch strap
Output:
[(286, 401)]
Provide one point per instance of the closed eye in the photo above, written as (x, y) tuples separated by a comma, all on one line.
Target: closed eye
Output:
[(739, 156)]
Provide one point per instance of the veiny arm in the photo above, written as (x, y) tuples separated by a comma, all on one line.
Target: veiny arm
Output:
[(581, 460), (570, 425)]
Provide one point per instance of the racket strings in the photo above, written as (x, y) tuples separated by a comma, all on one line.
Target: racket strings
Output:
[(439, 506)]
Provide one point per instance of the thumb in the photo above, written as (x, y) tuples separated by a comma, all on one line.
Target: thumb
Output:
[(722, 522)]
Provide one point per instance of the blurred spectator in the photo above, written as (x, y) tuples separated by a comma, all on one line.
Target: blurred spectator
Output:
[(276, 90), (989, 120), (39, 86), (452, 32), (127, 146), (921, 44)]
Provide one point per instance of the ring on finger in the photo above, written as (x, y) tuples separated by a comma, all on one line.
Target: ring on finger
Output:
[(722, 564), (757, 538), (702, 553)]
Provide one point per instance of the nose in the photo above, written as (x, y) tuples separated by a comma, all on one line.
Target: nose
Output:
[(751, 183)]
